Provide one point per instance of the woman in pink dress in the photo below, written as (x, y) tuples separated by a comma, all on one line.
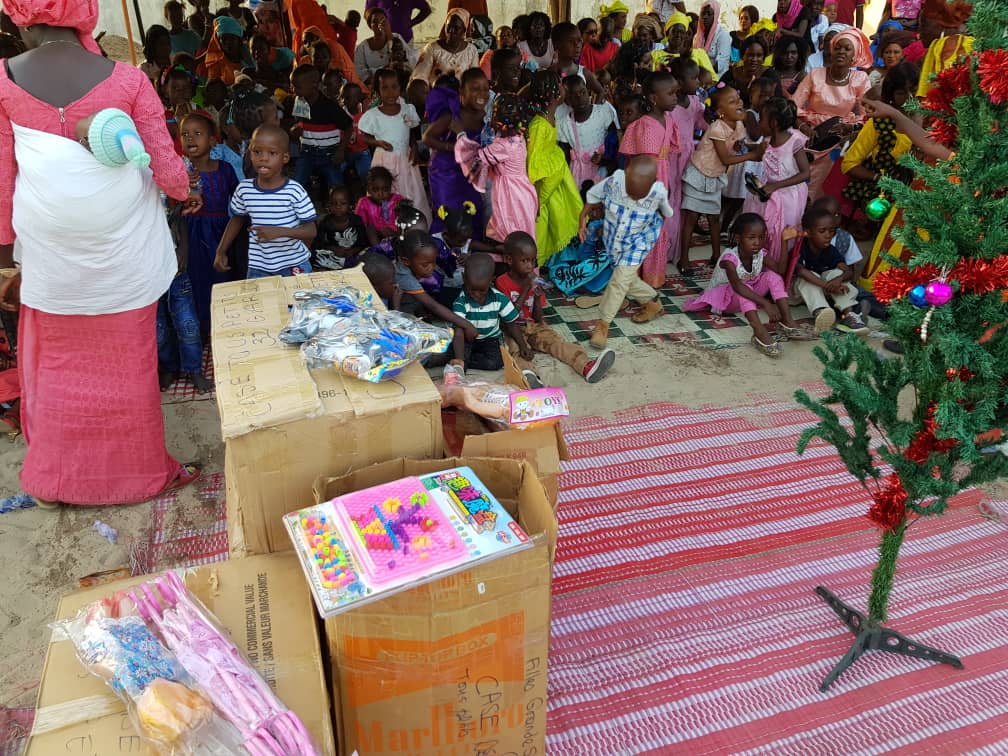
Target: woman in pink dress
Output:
[(656, 134), (785, 173), (688, 116), (834, 92), (503, 161), (92, 274)]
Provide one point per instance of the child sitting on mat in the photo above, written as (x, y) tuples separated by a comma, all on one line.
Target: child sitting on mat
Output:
[(487, 310), (522, 287)]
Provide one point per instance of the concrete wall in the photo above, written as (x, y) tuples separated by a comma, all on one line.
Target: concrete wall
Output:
[(502, 11)]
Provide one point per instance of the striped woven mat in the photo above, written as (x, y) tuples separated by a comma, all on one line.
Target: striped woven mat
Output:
[(684, 617)]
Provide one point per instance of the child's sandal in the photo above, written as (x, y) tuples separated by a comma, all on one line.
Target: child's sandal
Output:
[(772, 349)]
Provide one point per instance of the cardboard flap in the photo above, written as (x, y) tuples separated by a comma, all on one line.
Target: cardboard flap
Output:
[(537, 445)]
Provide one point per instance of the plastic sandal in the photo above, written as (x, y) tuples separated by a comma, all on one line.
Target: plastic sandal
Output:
[(770, 350)]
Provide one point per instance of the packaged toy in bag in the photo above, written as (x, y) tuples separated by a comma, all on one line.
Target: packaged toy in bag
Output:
[(188, 689), (373, 345), (315, 310)]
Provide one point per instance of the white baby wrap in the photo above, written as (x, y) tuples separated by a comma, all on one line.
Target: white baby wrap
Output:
[(91, 239)]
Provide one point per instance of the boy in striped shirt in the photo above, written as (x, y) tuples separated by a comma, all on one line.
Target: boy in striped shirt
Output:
[(487, 309), (281, 213), (320, 123)]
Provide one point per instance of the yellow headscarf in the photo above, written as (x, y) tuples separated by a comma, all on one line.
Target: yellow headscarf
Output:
[(677, 19), (764, 24), (615, 7)]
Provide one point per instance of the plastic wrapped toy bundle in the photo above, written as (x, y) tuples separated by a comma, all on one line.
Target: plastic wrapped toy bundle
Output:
[(267, 727), (116, 645), (188, 688), (374, 345), (315, 310)]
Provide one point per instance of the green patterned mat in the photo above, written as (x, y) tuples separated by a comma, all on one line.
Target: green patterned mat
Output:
[(700, 328)]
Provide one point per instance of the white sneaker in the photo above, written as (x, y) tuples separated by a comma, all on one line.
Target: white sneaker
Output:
[(824, 319)]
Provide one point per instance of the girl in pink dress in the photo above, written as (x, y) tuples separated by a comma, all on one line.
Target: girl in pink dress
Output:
[(747, 280), (656, 134), (387, 127), (688, 115), (785, 173), (514, 198)]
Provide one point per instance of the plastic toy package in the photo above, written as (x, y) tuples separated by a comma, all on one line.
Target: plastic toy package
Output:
[(504, 406), (188, 689), (316, 310), (374, 345)]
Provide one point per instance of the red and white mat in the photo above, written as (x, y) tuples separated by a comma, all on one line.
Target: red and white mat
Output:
[(684, 612)]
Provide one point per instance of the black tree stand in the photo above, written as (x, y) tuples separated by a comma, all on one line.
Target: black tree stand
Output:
[(869, 637)]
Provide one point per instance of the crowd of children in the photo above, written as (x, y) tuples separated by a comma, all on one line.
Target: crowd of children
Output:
[(457, 185)]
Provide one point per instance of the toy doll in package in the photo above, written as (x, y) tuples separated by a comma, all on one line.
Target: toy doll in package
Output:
[(188, 689)]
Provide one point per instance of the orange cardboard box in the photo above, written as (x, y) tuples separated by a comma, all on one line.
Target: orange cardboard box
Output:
[(456, 666)]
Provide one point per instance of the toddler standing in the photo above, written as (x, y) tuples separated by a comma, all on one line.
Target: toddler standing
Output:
[(589, 132), (388, 128), (206, 226), (655, 134), (503, 161), (782, 197), (706, 175), (281, 213), (636, 205)]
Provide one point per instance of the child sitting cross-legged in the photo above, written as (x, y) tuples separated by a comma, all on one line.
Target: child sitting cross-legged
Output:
[(487, 310), (521, 285), (636, 204), (748, 280), (823, 275)]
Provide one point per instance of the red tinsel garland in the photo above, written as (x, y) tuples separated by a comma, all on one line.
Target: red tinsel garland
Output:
[(949, 84), (993, 73), (944, 132), (974, 276), (925, 442), (888, 509)]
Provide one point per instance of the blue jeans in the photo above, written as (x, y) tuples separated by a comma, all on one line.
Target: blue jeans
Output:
[(360, 162), (301, 267), (315, 162), (180, 348)]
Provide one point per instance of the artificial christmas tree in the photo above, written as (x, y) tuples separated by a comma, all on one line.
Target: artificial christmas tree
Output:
[(948, 308)]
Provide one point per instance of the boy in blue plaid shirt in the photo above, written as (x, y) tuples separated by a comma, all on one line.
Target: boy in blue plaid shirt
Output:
[(635, 205)]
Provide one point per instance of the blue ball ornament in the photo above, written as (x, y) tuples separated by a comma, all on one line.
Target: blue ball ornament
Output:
[(918, 296)]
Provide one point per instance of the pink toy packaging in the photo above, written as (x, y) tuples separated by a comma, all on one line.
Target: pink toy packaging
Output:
[(371, 543)]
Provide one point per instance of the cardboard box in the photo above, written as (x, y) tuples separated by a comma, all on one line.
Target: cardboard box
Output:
[(283, 426), (264, 604), (456, 666)]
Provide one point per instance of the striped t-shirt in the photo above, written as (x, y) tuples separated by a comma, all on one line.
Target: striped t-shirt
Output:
[(287, 207), (486, 317)]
